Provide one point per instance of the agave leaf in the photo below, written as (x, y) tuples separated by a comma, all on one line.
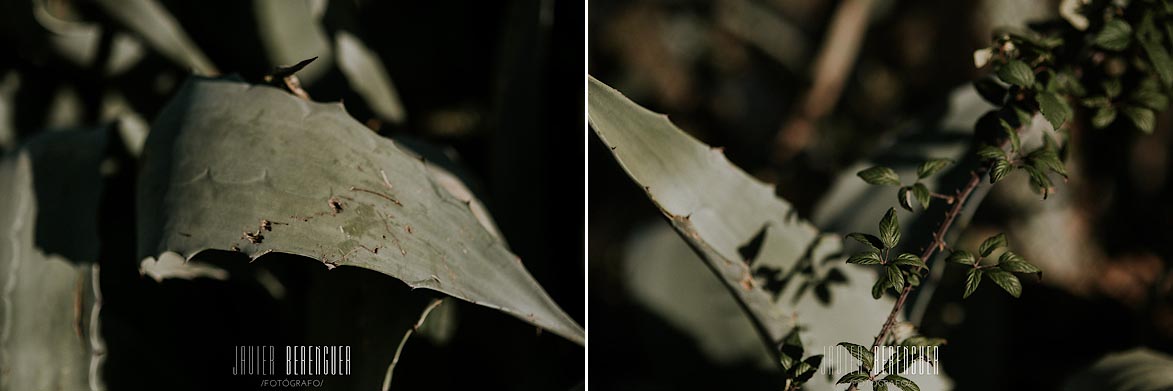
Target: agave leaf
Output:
[(151, 22), (291, 33), (229, 166), (367, 76), (46, 340), (717, 209)]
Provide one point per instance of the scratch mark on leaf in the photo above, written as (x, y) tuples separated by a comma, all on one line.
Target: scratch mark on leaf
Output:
[(387, 197)]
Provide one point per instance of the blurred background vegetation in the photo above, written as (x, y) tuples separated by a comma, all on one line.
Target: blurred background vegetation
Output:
[(759, 78), (493, 87)]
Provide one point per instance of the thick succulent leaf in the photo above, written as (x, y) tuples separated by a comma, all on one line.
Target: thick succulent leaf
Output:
[(48, 302), (720, 211), (151, 21), (716, 207), (291, 33), (225, 157), (667, 278), (1131, 370), (367, 76)]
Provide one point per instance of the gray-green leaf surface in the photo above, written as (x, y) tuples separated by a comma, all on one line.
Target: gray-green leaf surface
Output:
[(224, 157)]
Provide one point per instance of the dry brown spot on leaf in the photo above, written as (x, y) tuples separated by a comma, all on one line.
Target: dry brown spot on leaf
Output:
[(254, 238)]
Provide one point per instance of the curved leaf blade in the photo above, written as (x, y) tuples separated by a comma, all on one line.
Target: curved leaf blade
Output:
[(233, 166), (367, 76), (717, 209), (151, 21)]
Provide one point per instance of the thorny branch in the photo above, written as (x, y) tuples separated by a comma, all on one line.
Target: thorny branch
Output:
[(938, 242)]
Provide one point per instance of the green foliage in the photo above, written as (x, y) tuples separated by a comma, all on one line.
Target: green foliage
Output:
[(796, 369), (922, 194), (1017, 73), (1000, 169), (1005, 280), (962, 257), (880, 175), (1115, 36), (1001, 273), (853, 377), (1053, 107), (907, 259), (871, 240), (890, 229), (866, 258), (931, 167), (1143, 118), (863, 354), (973, 278), (992, 243)]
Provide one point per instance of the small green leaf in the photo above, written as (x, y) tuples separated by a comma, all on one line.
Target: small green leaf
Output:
[(1112, 87), (1017, 73), (1006, 280), (1115, 35), (904, 383), (1054, 108), (870, 240), (1143, 118), (864, 355), (894, 275), (794, 340), (792, 345), (787, 362), (1024, 117), (868, 258), (931, 167), (879, 386), (898, 361), (972, 279), (1014, 263), (1039, 180), (879, 286), (913, 279), (991, 152), (992, 243), (799, 369), (904, 197), (890, 229), (963, 257), (880, 175), (1150, 98), (1096, 101), (1104, 117), (921, 192), (808, 368), (1047, 159), (1012, 134), (1001, 168), (1150, 40), (1066, 83), (853, 377), (908, 259)]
